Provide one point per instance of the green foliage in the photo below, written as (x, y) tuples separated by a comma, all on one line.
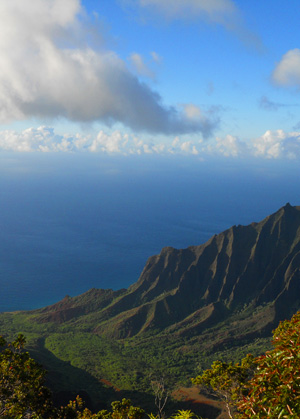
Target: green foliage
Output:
[(120, 410), (23, 394), (180, 414), (77, 357), (264, 387), (124, 410), (227, 380), (185, 414), (274, 391), (22, 389), (76, 410)]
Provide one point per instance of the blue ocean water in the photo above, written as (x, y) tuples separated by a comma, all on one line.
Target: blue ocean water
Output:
[(70, 224)]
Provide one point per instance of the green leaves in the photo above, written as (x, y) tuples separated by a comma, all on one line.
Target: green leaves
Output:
[(274, 391), (120, 410), (185, 414), (264, 387), (21, 383), (227, 380)]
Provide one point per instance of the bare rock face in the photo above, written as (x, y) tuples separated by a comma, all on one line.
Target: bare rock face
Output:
[(188, 290)]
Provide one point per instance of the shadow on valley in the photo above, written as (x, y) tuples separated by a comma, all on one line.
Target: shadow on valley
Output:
[(67, 381), (219, 300)]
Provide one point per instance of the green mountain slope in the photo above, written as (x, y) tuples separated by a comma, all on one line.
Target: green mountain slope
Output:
[(189, 306)]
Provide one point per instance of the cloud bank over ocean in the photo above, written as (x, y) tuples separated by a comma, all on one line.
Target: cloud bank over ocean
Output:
[(271, 145)]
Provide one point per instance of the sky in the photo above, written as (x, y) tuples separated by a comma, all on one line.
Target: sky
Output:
[(202, 78)]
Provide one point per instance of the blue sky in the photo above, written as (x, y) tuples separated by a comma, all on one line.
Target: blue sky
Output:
[(192, 77)]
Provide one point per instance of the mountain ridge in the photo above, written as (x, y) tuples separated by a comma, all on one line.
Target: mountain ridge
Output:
[(244, 265), (190, 306)]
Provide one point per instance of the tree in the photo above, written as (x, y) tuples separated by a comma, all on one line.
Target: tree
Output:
[(161, 395), (24, 396), (76, 410), (227, 381), (120, 410), (125, 410), (264, 387), (274, 390), (22, 390)]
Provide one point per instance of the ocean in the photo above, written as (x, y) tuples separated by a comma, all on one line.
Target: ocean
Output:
[(71, 223)]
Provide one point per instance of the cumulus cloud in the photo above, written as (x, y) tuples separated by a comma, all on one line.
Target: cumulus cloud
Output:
[(287, 71), (231, 146), (48, 70), (189, 147), (277, 144), (194, 116), (44, 139), (271, 145), (114, 143), (140, 66)]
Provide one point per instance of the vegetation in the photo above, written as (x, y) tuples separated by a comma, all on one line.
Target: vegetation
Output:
[(228, 381), (80, 359), (23, 394), (264, 387), (274, 390), (120, 410), (104, 341), (219, 300), (22, 390), (267, 386)]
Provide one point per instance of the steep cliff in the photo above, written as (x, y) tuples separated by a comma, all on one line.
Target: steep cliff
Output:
[(187, 290), (189, 307)]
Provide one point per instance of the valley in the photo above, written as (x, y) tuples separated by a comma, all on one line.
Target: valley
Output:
[(218, 300)]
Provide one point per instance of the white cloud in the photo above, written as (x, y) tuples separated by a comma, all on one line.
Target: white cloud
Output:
[(140, 66), (114, 143), (48, 70), (231, 146), (195, 116), (44, 139), (189, 147), (192, 112), (41, 139), (287, 71), (277, 144), (271, 145)]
